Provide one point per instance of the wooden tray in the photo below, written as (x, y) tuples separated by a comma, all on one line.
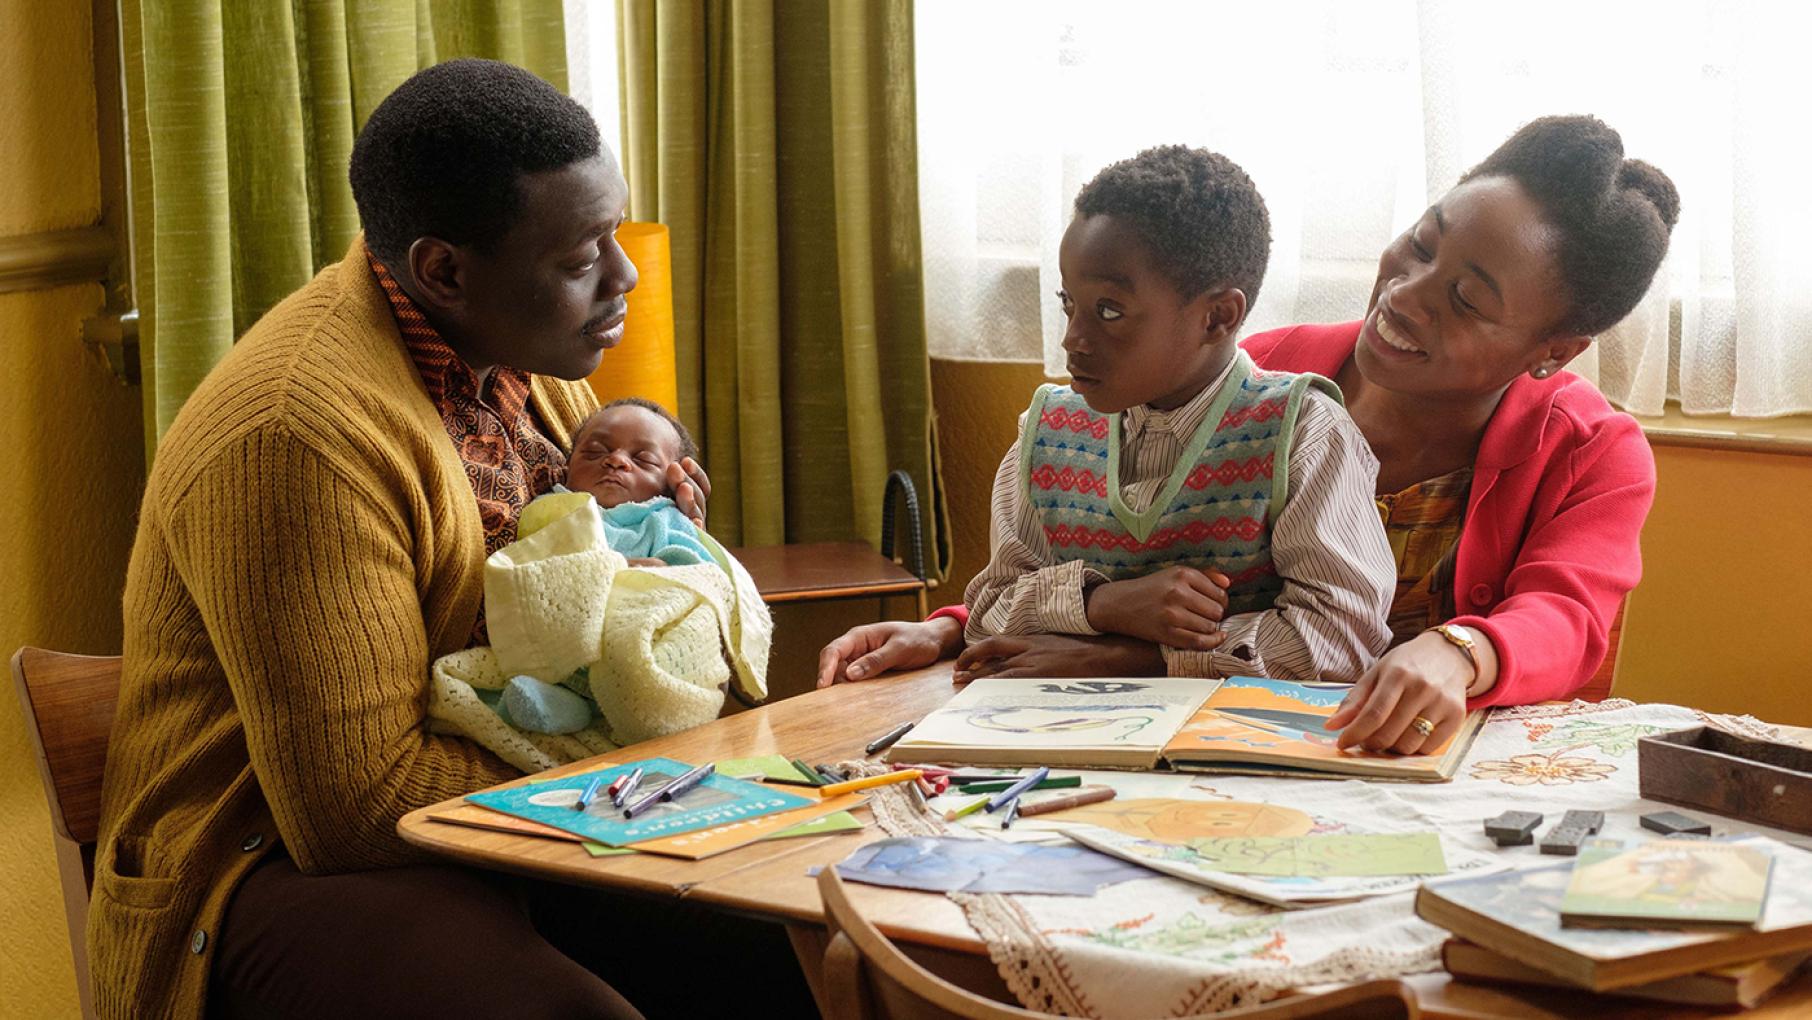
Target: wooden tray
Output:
[(1758, 781)]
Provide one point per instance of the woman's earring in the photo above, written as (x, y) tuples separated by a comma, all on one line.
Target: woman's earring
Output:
[(1542, 372)]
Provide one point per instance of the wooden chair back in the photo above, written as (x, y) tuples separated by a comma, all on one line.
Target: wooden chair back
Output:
[(68, 703), (867, 977), (1599, 687)]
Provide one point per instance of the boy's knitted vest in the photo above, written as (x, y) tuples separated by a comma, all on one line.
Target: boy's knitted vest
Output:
[(1216, 508)]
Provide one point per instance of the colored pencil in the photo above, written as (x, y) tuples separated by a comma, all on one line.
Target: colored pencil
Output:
[(967, 809), (1006, 820), (1092, 795), (870, 782), (997, 785), (811, 774), (688, 781), (1011, 793), (886, 740)]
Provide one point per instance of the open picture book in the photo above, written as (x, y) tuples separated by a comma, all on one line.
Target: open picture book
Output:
[(1241, 724)]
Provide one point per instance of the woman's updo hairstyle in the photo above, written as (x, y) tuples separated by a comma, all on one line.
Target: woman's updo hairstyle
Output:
[(1613, 215)]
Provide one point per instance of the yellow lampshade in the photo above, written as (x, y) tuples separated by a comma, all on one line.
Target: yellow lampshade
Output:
[(642, 364)]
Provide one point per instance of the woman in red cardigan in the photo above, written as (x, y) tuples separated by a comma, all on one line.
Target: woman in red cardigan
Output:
[(1455, 376)]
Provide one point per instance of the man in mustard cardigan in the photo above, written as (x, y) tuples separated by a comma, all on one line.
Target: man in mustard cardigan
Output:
[(312, 538)]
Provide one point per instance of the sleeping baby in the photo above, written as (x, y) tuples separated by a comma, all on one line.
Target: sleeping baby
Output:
[(665, 640)]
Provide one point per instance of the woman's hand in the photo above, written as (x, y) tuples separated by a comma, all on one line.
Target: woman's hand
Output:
[(1180, 607), (1426, 676), (875, 648), (1059, 655), (690, 487)]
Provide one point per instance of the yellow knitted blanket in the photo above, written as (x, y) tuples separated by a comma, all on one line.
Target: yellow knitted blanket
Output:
[(660, 643)]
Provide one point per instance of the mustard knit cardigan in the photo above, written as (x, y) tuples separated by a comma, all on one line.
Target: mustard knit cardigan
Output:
[(307, 546)]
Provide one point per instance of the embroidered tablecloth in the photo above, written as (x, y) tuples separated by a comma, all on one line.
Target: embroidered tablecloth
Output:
[(1165, 947)]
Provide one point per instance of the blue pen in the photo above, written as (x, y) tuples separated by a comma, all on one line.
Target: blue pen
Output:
[(1006, 796), (630, 782), (590, 791)]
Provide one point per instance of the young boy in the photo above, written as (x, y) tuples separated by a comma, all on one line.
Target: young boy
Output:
[(1172, 492)]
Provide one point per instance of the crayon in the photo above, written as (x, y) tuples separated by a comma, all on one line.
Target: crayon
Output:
[(1092, 795)]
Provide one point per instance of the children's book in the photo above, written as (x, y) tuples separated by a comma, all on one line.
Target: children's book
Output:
[(1300, 871), (1097, 723), (1668, 883), (1274, 727), (806, 821), (1738, 986), (713, 803), (1241, 724), (1518, 915)]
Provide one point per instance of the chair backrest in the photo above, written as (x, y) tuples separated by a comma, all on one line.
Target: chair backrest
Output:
[(68, 701), (867, 977), (1599, 687)]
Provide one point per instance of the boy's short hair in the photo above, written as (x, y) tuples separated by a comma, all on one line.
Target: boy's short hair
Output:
[(687, 448), (1197, 211)]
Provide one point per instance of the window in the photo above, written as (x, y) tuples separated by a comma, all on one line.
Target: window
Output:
[(1352, 117)]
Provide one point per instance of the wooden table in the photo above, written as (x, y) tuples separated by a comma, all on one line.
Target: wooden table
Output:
[(826, 570), (769, 879)]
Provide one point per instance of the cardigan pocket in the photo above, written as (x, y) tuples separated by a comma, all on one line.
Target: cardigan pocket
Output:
[(122, 878)]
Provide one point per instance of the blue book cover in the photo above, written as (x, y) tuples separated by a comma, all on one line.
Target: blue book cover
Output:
[(716, 801)]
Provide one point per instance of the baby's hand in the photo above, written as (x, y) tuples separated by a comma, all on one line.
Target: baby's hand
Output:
[(646, 561), (1180, 607)]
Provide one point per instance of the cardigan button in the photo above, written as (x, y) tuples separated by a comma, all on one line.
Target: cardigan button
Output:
[(1481, 594), (252, 842), (199, 942)]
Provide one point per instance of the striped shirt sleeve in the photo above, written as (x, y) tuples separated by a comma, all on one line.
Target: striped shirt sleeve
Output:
[(1338, 572)]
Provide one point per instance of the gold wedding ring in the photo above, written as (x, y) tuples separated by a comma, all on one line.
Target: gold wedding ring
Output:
[(1422, 726)]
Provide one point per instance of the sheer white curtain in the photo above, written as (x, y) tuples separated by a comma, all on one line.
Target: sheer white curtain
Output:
[(1351, 118), (591, 65)]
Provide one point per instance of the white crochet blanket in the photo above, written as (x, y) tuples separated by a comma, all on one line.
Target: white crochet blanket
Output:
[(660, 643)]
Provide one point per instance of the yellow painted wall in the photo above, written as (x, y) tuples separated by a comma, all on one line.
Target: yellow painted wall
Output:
[(72, 437), (1722, 619)]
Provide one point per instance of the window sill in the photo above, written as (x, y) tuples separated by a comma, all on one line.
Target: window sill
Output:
[(1791, 434)]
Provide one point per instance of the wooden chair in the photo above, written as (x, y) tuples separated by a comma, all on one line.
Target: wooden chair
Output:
[(68, 702), (1599, 687), (867, 977)]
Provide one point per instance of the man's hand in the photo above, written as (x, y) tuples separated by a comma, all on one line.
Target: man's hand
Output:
[(1179, 606), (1424, 677), (875, 648), (1059, 655), (690, 487)]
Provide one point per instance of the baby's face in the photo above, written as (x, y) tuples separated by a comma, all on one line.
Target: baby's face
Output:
[(622, 456)]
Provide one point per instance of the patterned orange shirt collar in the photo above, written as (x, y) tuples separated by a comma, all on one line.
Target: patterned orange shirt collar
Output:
[(501, 441)]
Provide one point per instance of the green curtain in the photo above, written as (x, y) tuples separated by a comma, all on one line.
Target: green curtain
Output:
[(777, 142), (241, 116)]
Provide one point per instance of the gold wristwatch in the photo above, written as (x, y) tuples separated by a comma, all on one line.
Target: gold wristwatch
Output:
[(1462, 639)]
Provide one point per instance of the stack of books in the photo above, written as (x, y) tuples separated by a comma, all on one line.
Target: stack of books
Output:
[(1710, 923)]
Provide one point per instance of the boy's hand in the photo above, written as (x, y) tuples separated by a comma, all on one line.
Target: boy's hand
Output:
[(1179, 606), (1058, 655), (875, 648), (690, 487)]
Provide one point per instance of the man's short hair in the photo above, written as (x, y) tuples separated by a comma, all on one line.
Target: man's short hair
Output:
[(441, 155)]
